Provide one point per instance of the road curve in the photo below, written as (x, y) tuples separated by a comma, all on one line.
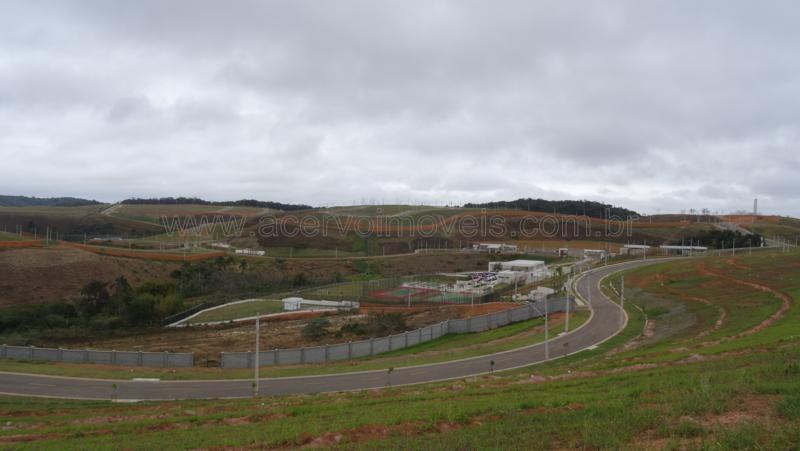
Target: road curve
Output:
[(603, 324)]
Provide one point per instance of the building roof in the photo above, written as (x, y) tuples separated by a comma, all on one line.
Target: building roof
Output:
[(523, 263), (636, 246)]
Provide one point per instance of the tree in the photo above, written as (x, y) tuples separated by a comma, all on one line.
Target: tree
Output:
[(300, 280), (142, 310), (94, 297), (122, 296)]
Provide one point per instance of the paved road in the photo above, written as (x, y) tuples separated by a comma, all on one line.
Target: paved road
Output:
[(604, 324)]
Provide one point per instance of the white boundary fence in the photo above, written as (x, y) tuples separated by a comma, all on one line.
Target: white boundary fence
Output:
[(374, 346), (126, 358)]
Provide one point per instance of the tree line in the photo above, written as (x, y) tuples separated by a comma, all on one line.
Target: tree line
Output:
[(108, 307), (564, 207), (235, 203)]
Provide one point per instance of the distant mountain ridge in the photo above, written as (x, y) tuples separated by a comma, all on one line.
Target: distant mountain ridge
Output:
[(26, 201), (234, 203), (564, 207)]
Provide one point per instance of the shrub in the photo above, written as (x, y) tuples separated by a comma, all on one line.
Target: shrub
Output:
[(386, 324), (354, 328), (316, 329)]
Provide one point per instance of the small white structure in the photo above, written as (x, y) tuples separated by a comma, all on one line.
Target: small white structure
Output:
[(540, 293), (595, 253), (250, 252), (292, 304), (495, 248), (563, 252)]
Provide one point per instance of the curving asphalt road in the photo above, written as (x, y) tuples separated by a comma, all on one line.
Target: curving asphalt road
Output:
[(604, 323)]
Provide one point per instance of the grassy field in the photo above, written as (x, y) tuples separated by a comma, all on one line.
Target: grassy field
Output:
[(683, 375), (236, 311)]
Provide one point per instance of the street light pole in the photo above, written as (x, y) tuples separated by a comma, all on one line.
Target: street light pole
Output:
[(257, 364), (622, 302), (546, 332)]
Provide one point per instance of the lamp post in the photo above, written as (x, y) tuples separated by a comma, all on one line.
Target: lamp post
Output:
[(257, 356), (622, 302), (546, 332)]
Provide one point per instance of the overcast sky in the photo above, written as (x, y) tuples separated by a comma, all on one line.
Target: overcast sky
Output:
[(656, 106)]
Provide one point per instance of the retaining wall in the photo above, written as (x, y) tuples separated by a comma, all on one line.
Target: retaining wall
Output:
[(126, 358), (374, 346)]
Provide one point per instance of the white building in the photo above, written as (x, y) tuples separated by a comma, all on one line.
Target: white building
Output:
[(525, 271), (250, 252), (495, 248), (595, 253), (634, 249)]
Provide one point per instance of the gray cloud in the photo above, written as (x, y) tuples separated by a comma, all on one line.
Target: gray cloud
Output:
[(656, 107)]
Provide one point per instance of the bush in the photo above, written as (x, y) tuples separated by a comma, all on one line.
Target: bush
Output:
[(300, 279), (316, 329), (354, 328), (142, 310), (105, 322), (54, 321), (386, 324)]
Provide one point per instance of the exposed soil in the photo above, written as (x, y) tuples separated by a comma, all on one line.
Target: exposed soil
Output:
[(36, 275), (208, 341)]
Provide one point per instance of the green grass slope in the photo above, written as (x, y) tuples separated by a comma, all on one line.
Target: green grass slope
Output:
[(710, 360)]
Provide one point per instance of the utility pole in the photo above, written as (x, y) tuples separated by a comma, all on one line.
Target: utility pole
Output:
[(256, 360), (566, 318)]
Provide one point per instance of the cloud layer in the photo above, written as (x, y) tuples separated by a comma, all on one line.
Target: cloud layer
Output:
[(656, 107)]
